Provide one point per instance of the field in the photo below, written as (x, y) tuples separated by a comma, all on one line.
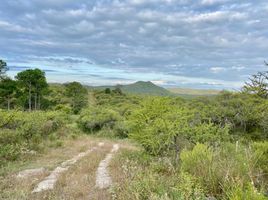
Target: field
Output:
[(193, 92), (133, 100), (107, 144)]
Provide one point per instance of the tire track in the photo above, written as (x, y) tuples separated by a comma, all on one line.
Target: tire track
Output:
[(103, 178), (49, 182)]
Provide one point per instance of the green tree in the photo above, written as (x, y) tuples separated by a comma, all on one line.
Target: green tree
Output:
[(258, 84), (3, 68), (8, 88), (78, 96), (33, 81), (107, 91), (118, 90)]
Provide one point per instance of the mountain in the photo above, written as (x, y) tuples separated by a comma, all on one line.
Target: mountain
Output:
[(148, 88), (140, 87)]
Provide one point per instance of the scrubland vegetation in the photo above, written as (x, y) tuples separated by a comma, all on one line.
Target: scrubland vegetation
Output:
[(201, 148)]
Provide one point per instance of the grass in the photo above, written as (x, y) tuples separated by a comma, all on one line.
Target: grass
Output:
[(193, 92), (77, 183)]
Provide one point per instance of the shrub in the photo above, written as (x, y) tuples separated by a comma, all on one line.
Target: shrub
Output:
[(121, 129), (161, 123), (246, 193), (189, 188), (94, 119), (24, 131), (221, 169), (209, 133), (199, 163)]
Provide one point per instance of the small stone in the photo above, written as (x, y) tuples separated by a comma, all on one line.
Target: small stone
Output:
[(31, 172)]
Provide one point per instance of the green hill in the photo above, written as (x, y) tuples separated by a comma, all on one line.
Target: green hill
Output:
[(140, 87)]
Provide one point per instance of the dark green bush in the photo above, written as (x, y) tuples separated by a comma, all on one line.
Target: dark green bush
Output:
[(94, 119)]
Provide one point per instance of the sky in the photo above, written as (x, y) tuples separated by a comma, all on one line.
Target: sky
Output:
[(214, 44)]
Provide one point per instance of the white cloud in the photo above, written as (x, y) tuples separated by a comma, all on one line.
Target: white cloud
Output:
[(216, 70), (216, 16), (147, 35), (212, 2), (238, 68)]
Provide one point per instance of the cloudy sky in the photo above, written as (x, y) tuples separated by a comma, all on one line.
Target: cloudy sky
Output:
[(185, 43)]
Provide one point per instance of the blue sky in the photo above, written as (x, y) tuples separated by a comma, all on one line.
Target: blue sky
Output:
[(173, 43)]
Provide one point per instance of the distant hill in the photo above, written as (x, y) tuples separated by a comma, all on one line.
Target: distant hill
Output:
[(140, 87), (187, 92)]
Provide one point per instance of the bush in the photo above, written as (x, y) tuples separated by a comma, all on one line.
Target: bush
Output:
[(24, 131), (146, 177), (94, 119), (121, 129), (161, 123), (189, 188), (209, 133), (199, 163), (247, 193), (221, 169)]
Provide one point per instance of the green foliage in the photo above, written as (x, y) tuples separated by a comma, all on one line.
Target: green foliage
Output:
[(78, 96), (94, 119), (139, 88), (257, 84), (244, 114), (161, 120), (209, 133), (260, 150), (150, 127), (222, 169), (107, 91), (8, 89), (248, 193), (21, 132), (146, 177), (189, 188), (118, 90), (32, 82), (3, 68)]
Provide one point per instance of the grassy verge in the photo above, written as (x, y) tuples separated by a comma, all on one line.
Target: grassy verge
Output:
[(203, 173)]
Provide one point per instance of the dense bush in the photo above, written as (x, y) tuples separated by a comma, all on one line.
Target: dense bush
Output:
[(222, 143), (226, 169), (94, 119), (245, 114), (160, 123), (21, 132)]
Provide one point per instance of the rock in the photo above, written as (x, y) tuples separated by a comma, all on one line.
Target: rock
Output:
[(31, 172)]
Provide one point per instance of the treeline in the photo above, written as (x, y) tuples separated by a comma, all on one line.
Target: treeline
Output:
[(30, 91)]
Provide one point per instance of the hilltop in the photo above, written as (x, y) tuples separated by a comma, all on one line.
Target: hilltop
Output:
[(140, 87)]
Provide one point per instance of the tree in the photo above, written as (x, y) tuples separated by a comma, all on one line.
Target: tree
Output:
[(118, 90), (77, 94), (107, 91), (8, 88), (3, 68), (34, 82), (258, 84)]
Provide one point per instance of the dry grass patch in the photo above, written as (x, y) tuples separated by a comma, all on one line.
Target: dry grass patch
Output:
[(79, 181), (13, 188)]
